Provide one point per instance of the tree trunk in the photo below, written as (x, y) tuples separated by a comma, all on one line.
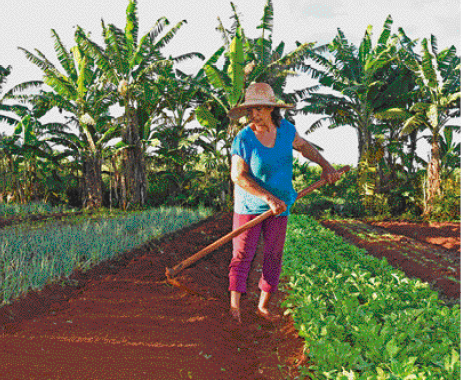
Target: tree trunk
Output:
[(367, 163), (433, 175), (93, 179), (412, 153), (134, 172)]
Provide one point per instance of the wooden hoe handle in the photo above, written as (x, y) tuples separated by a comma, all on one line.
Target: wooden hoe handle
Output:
[(171, 272)]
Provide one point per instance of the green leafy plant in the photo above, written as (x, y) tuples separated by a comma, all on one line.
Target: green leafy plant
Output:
[(32, 257), (361, 318)]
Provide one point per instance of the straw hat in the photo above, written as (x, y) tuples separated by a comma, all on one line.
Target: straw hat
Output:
[(257, 95)]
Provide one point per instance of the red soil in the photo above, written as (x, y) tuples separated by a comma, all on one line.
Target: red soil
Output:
[(429, 252), (121, 320), (442, 234)]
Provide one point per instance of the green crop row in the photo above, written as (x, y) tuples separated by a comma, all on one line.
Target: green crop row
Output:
[(31, 258), (360, 317), (13, 209)]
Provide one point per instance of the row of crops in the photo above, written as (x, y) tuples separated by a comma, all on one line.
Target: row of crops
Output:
[(31, 257), (361, 318), (8, 210)]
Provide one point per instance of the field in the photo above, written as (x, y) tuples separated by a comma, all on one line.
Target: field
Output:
[(121, 320), (427, 251)]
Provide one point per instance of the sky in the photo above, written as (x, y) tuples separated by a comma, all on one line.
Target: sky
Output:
[(28, 24)]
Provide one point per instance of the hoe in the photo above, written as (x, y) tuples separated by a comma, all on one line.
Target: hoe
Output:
[(171, 272)]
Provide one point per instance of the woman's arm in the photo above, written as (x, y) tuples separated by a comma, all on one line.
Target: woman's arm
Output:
[(240, 175), (311, 153)]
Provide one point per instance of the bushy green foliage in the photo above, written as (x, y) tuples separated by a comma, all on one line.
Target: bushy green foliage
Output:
[(362, 319), (404, 200), (31, 258), (447, 204), (342, 198)]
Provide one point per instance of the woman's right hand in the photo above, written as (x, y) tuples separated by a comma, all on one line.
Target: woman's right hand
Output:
[(276, 205)]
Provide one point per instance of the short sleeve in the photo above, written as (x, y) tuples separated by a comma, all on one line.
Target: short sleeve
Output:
[(290, 130), (239, 147)]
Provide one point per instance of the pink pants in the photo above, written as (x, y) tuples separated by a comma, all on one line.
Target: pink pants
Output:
[(273, 230)]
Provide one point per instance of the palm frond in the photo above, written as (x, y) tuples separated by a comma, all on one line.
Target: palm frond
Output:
[(211, 61), (224, 33), (56, 127), (299, 95), (413, 123), (427, 66), (267, 21), (216, 78), (449, 65), (119, 49), (111, 133), (144, 48), (294, 58), (187, 56), (236, 17), (157, 29), (51, 66), (434, 46), (319, 123), (236, 68), (23, 87), (61, 86), (4, 72), (98, 54), (58, 101), (169, 36), (34, 59), (132, 27), (366, 45), (265, 41), (64, 57), (9, 120), (151, 68), (398, 114), (386, 32), (21, 98)]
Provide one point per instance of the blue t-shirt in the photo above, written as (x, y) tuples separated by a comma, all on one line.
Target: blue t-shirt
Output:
[(271, 168)]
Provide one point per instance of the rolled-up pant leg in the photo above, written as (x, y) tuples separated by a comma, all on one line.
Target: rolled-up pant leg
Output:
[(274, 233), (244, 249)]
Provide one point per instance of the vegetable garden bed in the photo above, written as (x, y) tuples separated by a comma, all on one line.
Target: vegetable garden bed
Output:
[(426, 251), (121, 320)]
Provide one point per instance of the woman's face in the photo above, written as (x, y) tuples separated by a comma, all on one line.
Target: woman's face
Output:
[(261, 116)]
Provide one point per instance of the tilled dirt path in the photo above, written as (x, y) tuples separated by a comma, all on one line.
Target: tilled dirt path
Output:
[(121, 320)]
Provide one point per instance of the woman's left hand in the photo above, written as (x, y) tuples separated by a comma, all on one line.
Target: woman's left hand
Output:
[(330, 175)]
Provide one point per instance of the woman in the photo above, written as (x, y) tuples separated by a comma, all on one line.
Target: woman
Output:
[(262, 167)]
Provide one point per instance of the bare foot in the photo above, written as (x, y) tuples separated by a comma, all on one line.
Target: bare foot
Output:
[(235, 315), (267, 315)]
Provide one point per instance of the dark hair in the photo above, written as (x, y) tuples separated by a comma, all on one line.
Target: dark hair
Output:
[(276, 116)]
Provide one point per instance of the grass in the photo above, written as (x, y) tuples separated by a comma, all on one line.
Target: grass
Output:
[(30, 258)]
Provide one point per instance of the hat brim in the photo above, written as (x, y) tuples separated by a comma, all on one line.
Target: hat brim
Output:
[(242, 110)]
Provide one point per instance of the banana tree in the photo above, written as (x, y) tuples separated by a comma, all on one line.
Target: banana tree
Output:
[(223, 88), (8, 109), (78, 90), (361, 81), (437, 102), (263, 61), (246, 61), (129, 66), (32, 148)]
